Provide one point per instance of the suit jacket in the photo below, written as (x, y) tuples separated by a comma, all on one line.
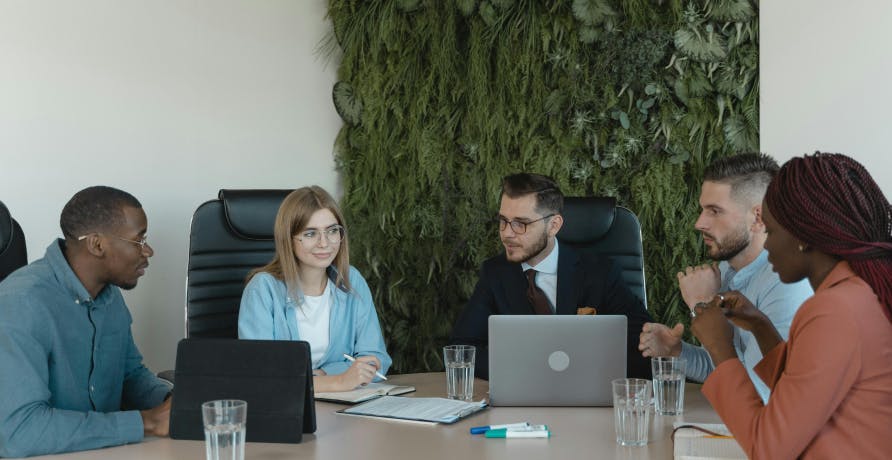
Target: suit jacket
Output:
[(582, 281), (831, 382)]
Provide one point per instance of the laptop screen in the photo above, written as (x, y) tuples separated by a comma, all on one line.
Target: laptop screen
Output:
[(555, 360)]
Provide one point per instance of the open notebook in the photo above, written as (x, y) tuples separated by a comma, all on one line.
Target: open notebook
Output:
[(370, 391), (692, 444)]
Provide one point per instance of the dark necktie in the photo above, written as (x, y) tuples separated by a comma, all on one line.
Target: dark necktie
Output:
[(536, 296)]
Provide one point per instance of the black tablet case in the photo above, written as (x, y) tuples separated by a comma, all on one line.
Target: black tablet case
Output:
[(273, 376)]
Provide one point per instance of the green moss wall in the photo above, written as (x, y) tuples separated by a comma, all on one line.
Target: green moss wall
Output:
[(441, 98)]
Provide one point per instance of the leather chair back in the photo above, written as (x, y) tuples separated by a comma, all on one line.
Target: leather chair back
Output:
[(598, 225), (230, 236), (13, 253)]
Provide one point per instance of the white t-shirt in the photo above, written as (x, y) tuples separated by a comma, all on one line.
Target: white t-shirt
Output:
[(313, 323)]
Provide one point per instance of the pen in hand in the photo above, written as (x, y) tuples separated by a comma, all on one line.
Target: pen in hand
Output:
[(352, 359)]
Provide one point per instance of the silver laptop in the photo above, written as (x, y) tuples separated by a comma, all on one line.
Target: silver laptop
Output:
[(558, 360)]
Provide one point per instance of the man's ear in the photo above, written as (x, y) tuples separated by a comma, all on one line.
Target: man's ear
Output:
[(94, 244), (555, 224), (758, 225)]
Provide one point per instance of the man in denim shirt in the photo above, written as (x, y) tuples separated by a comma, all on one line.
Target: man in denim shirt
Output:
[(732, 229), (71, 377)]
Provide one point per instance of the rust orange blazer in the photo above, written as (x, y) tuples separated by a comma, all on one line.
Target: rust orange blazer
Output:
[(831, 382)]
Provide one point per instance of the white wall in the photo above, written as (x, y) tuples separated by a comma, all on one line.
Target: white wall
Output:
[(826, 76), (170, 100), (173, 99)]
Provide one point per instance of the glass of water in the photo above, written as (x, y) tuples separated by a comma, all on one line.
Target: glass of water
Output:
[(668, 378), (224, 429), (459, 361), (631, 411)]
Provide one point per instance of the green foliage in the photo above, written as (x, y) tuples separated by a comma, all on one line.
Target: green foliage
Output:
[(441, 99), (346, 103), (592, 12)]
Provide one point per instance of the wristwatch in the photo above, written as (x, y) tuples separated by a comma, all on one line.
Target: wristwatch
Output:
[(698, 304)]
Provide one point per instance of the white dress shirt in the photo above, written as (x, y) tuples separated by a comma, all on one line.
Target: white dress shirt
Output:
[(546, 275)]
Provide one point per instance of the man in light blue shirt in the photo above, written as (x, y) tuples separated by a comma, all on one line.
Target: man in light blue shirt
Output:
[(732, 229), (72, 378)]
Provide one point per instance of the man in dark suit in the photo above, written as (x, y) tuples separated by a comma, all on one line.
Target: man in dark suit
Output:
[(565, 282)]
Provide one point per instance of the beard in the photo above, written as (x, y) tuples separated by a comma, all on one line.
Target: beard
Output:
[(126, 285), (526, 253), (729, 247)]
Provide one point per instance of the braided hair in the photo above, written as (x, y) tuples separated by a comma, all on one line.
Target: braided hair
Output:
[(830, 202)]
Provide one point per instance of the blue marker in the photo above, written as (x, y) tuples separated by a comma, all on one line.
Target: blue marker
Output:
[(484, 429)]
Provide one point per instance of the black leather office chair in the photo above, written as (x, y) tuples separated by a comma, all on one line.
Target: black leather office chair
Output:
[(230, 236), (13, 253), (598, 225)]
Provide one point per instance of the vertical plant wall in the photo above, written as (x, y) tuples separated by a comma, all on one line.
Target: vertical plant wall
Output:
[(442, 98)]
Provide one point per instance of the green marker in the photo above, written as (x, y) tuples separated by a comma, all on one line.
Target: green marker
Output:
[(534, 431)]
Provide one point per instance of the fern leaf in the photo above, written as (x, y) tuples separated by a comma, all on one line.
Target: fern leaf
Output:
[(740, 135), (592, 12), (730, 10), (697, 47)]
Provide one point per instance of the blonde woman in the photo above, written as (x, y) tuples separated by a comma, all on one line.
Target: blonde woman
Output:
[(310, 292)]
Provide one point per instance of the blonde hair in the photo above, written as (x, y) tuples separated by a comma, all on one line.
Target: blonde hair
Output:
[(294, 213)]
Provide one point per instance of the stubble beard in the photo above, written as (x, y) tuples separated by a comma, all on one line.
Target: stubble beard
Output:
[(729, 247), (534, 250)]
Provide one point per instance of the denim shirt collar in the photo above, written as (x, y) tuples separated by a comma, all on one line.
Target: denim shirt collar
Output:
[(65, 274), (338, 293), (735, 280)]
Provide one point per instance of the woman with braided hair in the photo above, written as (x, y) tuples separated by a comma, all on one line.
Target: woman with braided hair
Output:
[(831, 382)]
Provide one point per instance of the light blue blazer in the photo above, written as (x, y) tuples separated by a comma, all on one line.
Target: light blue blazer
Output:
[(268, 312)]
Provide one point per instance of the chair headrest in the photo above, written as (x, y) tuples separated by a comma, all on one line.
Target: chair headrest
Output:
[(6, 227), (586, 218), (251, 214)]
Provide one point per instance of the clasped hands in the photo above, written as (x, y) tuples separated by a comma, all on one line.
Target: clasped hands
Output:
[(712, 323), (712, 313), (712, 316), (696, 284)]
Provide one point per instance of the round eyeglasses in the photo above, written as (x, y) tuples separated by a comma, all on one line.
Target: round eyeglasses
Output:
[(518, 227), (142, 242), (312, 236)]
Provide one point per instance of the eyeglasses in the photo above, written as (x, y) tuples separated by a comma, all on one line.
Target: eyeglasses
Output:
[(311, 236), (517, 226), (142, 242)]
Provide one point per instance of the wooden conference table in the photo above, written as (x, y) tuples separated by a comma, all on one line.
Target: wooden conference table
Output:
[(577, 432)]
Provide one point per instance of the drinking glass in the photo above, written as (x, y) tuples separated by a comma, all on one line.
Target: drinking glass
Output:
[(459, 361)]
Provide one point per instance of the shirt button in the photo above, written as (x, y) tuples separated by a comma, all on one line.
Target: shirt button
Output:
[(91, 388)]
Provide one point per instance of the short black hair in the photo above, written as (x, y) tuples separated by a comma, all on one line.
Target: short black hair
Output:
[(549, 199), (748, 174), (94, 209)]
